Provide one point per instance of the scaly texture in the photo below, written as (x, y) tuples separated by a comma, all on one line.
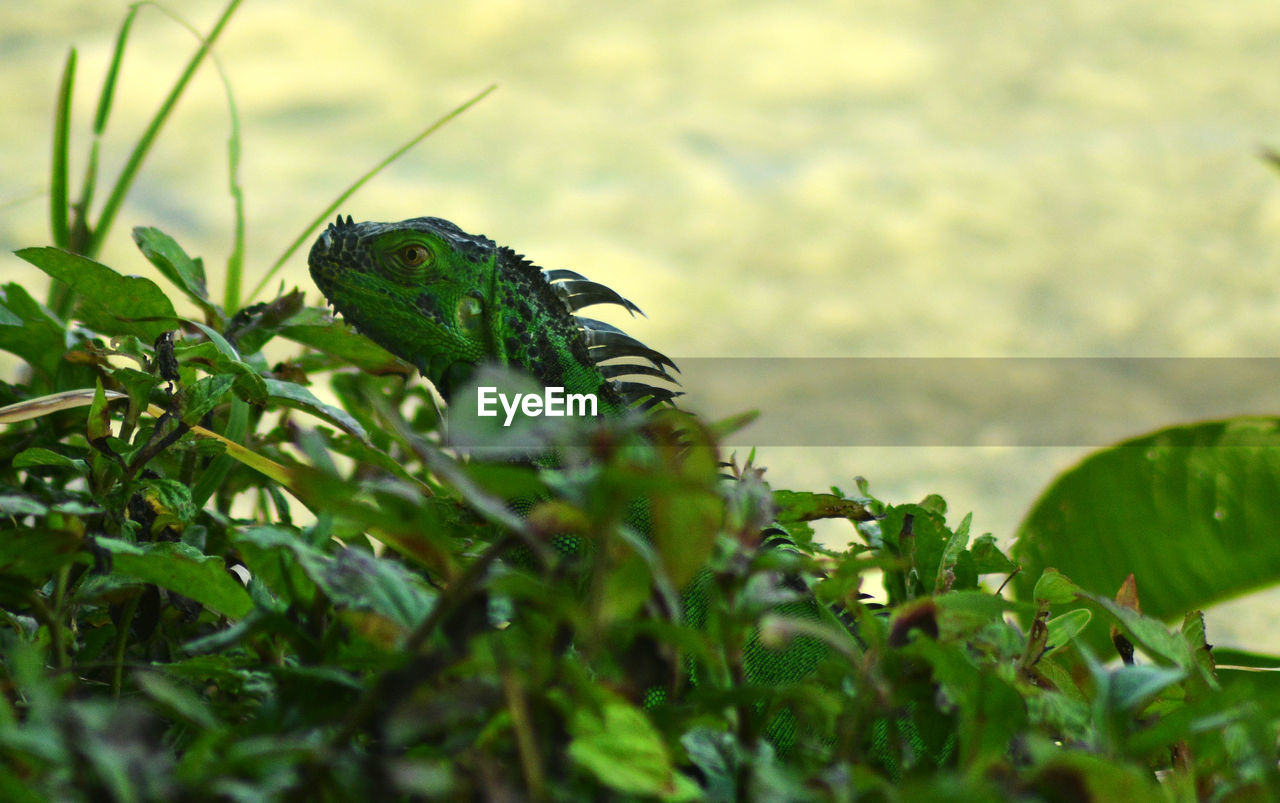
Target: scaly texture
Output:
[(445, 301)]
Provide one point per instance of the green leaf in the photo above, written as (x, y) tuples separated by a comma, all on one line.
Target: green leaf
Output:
[(164, 252), (1132, 686), (358, 580), (181, 568), (38, 456), (108, 302), (1064, 628), (177, 700), (1054, 588), (953, 550), (1191, 511), (59, 208), (621, 748), (36, 336), (34, 553), (296, 396), (351, 579), (207, 393), (987, 557), (1149, 635), (807, 506), (348, 346)]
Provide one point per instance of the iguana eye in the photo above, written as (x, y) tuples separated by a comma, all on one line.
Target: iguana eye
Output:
[(414, 255)]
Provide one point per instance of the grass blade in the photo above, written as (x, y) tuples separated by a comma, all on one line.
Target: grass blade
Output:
[(112, 207), (58, 173), (360, 182), (235, 261), (113, 72)]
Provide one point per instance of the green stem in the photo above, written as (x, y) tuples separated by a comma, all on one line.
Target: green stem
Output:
[(122, 640)]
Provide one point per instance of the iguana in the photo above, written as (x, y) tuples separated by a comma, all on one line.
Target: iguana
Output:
[(447, 301)]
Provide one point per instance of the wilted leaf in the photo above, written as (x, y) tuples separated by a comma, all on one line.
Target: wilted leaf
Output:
[(806, 506)]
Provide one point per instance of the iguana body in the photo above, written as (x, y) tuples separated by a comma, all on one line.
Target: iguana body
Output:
[(446, 301)]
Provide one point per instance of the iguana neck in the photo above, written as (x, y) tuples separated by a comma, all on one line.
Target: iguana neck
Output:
[(534, 329)]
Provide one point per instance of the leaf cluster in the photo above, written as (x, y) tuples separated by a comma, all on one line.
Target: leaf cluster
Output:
[(215, 585)]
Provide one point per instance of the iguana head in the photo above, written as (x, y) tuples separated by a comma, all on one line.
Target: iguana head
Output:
[(417, 288), (445, 301)]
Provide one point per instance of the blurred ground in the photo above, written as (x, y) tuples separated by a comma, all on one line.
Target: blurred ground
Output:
[(766, 179)]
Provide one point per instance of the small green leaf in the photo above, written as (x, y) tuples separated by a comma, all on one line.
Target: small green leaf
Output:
[(176, 699), (346, 345), (987, 557), (1149, 635), (1132, 686), (1064, 628), (807, 506), (207, 393), (358, 580), (107, 301), (38, 456), (1054, 588), (59, 208)]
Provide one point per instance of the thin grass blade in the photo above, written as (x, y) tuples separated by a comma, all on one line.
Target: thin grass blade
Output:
[(360, 182), (58, 172), (130, 172)]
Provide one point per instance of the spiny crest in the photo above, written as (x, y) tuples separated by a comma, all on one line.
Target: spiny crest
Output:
[(620, 358)]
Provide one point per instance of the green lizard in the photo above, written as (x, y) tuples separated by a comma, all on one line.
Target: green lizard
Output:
[(446, 301)]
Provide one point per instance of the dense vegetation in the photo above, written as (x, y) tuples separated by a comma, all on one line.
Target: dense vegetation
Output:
[(390, 629)]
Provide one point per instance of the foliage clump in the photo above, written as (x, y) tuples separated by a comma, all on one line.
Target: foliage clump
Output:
[(214, 585)]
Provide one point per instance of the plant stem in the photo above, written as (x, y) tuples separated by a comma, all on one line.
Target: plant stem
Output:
[(122, 641)]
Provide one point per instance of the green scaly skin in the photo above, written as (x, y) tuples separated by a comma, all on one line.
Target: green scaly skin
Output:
[(445, 301)]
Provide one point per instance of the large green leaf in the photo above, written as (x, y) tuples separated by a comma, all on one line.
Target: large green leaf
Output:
[(181, 568), (1192, 511), (108, 302)]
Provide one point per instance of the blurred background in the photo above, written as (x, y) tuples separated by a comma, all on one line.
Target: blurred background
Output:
[(884, 179)]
